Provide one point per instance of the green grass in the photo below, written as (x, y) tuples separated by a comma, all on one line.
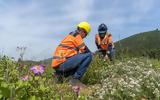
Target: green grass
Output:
[(128, 78)]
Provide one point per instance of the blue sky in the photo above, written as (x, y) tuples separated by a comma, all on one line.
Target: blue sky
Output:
[(40, 25)]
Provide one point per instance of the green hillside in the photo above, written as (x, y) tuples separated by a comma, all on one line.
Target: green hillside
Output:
[(146, 43)]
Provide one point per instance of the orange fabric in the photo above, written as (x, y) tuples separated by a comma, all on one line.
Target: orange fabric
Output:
[(63, 52), (103, 43)]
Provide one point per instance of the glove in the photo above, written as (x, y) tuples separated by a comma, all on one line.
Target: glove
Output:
[(108, 52)]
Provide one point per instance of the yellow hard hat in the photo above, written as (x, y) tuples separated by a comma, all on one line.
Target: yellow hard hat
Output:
[(85, 25)]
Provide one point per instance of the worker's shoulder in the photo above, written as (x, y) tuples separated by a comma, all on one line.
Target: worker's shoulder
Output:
[(73, 33), (109, 34), (96, 34), (75, 36)]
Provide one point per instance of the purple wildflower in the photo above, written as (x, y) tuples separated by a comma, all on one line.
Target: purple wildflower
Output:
[(44, 66), (37, 69), (25, 78)]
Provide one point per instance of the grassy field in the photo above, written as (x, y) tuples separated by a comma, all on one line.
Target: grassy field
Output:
[(125, 79)]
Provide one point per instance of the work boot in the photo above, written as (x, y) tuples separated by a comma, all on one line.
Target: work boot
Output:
[(58, 78), (76, 82)]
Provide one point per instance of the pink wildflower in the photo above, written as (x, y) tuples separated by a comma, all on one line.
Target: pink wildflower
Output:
[(25, 78), (76, 89)]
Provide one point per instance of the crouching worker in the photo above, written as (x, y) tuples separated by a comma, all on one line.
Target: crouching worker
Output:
[(104, 43), (72, 57)]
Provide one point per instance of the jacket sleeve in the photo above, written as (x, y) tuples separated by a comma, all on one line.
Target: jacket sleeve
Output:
[(110, 41), (110, 38), (81, 45), (98, 46)]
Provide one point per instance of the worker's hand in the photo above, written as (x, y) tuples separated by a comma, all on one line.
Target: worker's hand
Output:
[(108, 52)]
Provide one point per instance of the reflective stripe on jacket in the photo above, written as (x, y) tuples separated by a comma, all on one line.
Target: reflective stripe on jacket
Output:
[(103, 43), (68, 47)]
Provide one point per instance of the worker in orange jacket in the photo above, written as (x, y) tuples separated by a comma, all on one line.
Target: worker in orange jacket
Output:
[(104, 43), (72, 57)]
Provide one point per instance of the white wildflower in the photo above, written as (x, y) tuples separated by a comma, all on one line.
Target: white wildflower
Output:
[(150, 65), (156, 92), (101, 96)]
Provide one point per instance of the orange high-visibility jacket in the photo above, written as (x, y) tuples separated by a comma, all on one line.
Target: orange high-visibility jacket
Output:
[(68, 47), (103, 43)]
